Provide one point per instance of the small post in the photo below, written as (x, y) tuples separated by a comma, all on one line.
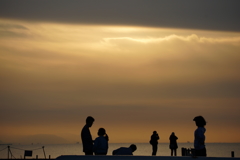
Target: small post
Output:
[(36, 156), (232, 153), (193, 152), (8, 151), (188, 152), (183, 151), (49, 156), (44, 152)]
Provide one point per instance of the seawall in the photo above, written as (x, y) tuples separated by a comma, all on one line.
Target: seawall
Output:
[(75, 157)]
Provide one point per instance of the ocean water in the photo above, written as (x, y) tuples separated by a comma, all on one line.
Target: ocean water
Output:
[(55, 150)]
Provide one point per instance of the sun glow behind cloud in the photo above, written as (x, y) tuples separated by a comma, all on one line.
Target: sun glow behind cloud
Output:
[(145, 75)]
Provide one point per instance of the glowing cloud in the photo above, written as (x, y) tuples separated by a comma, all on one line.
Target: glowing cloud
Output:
[(66, 72)]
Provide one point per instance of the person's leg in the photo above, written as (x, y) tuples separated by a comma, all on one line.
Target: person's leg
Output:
[(171, 152), (175, 152), (201, 152), (88, 153), (197, 152), (154, 150), (100, 154)]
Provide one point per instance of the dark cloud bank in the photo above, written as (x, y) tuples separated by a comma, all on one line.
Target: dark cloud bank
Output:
[(202, 14)]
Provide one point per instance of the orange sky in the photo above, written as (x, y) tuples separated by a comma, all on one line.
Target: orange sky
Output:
[(131, 79)]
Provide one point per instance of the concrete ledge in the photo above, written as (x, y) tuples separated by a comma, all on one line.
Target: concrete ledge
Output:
[(76, 157)]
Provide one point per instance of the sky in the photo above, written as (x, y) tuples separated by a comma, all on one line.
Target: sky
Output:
[(136, 66)]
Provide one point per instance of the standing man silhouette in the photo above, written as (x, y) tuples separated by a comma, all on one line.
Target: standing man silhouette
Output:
[(154, 142), (86, 137)]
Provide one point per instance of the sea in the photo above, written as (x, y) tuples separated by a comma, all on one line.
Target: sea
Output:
[(144, 149)]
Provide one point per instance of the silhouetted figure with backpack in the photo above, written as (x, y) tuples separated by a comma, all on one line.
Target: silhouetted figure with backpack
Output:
[(173, 144), (154, 142), (86, 137)]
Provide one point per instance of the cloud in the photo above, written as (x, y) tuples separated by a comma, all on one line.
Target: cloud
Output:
[(189, 38), (13, 30), (12, 26), (143, 77), (206, 15)]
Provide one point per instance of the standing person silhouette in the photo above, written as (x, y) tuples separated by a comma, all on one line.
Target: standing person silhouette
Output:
[(199, 137), (100, 146), (154, 142), (86, 137), (173, 144)]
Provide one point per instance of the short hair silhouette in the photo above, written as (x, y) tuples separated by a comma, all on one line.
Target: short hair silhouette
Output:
[(101, 131), (133, 147), (200, 121), (90, 119)]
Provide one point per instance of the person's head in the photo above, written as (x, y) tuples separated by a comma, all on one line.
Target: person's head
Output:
[(101, 132), (89, 121), (200, 121), (173, 133), (154, 132), (133, 147)]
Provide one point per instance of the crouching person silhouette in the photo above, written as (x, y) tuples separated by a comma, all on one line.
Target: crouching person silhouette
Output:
[(125, 150)]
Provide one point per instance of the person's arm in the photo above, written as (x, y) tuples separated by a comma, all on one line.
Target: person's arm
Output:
[(115, 152), (200, 136), (95, 145), (86, 136)]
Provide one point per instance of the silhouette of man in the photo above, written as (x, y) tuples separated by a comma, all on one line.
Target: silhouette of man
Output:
[(125, 150), (154, 142), (86, 137)]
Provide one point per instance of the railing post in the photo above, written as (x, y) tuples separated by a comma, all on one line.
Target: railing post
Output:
[(44, 152), (8, 151), (232, 153)]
